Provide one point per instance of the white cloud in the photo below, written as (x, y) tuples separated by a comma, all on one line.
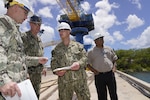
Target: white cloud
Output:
[(118, 36), (108, 39), (87, 39), (45, 12), (136, 2), (142, 41), (48, 33), (24, 26), (133, 22), (2, 9), (104, 5), (32, 2), (103, 17), (45, 2), (104, 20), (86, 6)]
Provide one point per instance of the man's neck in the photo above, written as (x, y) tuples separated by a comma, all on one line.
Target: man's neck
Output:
[(99, 46), (34, 33), (66, 41)]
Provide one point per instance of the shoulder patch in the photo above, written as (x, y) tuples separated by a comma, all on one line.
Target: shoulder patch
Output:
[(5, 22)]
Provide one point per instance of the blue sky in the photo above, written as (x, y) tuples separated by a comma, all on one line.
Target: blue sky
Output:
[(125, 24)]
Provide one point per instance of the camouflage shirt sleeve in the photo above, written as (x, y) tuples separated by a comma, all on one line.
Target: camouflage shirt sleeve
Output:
[(4, 41), (31, 61)]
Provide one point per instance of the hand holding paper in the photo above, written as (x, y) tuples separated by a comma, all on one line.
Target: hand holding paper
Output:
[(10, 89), (27, 92), (61, 71), (63, 68)]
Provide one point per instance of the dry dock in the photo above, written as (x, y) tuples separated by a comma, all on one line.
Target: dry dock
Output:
[(126, 91)]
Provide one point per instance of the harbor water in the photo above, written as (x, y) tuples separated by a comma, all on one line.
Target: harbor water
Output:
[(145, 76)]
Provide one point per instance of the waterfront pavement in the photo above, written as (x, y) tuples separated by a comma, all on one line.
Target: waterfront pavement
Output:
[(126, 91)]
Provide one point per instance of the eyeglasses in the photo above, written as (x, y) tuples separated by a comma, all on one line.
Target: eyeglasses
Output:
[(63, 30), (37, 24), (100, 38)]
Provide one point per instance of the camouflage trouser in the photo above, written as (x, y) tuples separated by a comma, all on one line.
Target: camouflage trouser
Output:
[(35, 77), (80, 87)]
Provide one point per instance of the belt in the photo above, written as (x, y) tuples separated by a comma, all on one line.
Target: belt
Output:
[(32, 67), (105, 72)]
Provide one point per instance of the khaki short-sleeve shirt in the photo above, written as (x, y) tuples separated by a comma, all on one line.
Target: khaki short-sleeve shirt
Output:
[(102, 59)]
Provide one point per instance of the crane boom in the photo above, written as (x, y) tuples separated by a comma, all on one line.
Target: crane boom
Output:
[(71, 8), (51, 43)]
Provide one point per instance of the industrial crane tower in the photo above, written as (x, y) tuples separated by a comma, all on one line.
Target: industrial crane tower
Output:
[(80, 22)]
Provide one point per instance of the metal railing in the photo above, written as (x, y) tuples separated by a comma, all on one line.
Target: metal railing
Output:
[(142, 86)]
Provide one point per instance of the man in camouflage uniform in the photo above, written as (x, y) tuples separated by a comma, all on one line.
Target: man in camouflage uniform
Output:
[(70, 53), (12, 58), (33, 47)]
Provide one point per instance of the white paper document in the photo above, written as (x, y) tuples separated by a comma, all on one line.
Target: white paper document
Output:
[(63, 68), (27, 92)]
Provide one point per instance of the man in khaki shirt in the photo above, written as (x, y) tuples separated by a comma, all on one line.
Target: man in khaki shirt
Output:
[(102, 61)]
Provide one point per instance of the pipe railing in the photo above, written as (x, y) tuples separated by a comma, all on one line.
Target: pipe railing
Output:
[(142, 86)]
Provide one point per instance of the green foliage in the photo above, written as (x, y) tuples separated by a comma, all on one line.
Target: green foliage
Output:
[(133, 60)]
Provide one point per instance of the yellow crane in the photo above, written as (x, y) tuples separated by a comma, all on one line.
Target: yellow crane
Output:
[(71, 8), (80, 22)]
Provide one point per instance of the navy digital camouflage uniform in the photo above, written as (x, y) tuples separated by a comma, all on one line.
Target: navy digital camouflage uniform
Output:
[(72, 81), (33, 47), (12, 58)]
